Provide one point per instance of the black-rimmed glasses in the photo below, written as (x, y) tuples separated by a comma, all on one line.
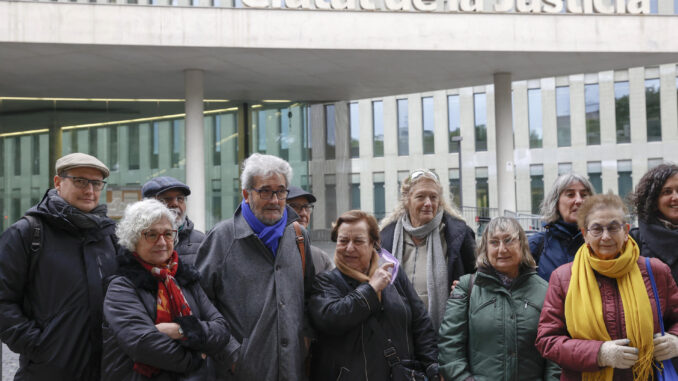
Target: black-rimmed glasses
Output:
[(82, 183), (267, 194), (598, 230)]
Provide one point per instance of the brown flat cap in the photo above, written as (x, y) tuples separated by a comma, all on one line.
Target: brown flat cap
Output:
[(77, 160)]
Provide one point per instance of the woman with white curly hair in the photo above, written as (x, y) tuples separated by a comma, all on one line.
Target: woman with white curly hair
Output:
[(158, 322), (430, 239)]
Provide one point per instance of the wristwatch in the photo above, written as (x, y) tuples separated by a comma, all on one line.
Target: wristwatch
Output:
[(181, 332)]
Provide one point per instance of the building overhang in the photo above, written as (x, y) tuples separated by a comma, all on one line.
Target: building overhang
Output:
[(121, 51)]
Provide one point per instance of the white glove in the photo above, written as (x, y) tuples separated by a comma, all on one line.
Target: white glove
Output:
[(665, 347), (617, 354)]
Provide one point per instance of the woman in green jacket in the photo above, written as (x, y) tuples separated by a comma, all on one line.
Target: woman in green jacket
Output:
[(491, 317)]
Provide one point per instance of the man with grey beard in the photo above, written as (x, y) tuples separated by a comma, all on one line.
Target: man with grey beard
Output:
[(173, 194), (258, 278)]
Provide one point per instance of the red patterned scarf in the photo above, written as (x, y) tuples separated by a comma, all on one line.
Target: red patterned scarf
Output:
[(171, 301)]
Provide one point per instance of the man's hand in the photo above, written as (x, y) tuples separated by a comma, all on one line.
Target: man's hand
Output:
[(170, 329)]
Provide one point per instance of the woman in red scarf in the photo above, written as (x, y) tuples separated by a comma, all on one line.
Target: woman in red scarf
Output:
[(158, 322)]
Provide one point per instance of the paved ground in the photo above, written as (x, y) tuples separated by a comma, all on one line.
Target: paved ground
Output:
[(10, 360), (10, 363)]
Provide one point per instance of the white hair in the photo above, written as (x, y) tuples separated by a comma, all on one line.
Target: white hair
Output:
[(263, 166), (139, 217)]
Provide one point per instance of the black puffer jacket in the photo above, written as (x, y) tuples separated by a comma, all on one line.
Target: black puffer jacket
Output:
[(189, 242), (53, 316), (130, 334), (461, 246), (347, 348), (655, 240)]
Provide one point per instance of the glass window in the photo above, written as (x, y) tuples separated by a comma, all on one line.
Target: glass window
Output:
[(93, 141), (330, 144), (330, 199), (480, 120), (113, 164), (655, 162), (3, 160), (378, 128), (563, 116), (595, 171), (133, 132), (427, 123), (592, 107), (177, 139), (155, 141), (652, 110), (536, 186), (379, 195), (403, 128), (35, 142), (534, 117), (453, 122), (355, 191), (354, 126), (624, 179), (482, 191), (17, 156), (216, 147), (455, 187), (564, 168), (622, 111)]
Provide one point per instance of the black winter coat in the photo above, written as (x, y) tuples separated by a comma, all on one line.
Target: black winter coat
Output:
[(347, 348), (189, 242), (130, 334), (53, 316), (461, 246)]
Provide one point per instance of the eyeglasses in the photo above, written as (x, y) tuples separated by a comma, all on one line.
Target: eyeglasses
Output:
[(421, 172), (597, 230), (267, 194), (152, 236), (168, 200), (82, 183), (510, 241), (306, 207)]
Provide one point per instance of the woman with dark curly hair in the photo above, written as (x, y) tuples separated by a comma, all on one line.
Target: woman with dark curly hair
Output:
[(656, 203)]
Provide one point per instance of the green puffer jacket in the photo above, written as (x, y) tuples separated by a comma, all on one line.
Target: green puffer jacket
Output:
[(494, 339)]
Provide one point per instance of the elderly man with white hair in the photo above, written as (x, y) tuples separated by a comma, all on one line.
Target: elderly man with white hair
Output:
[(257, 269)]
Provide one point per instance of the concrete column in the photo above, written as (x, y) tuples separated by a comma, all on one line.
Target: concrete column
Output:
[(195, 155), (504, 133)]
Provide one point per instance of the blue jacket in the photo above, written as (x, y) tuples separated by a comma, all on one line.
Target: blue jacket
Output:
[(555, 246)]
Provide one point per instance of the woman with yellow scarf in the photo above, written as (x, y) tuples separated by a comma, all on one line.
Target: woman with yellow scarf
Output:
[(599, 319)]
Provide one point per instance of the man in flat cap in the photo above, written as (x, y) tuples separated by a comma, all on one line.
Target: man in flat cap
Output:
[(173, 193), (303, 202), (53, 263)]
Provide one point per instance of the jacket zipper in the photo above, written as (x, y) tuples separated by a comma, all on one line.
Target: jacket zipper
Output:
[(362, 343)]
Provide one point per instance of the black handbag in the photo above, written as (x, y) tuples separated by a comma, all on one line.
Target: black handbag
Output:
[(401, 370)]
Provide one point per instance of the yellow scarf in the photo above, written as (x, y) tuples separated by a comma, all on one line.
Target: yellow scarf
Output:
[(584, 307), (357, 275)]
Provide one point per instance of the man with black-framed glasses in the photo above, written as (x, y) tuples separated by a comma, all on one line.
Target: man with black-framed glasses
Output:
[(258, 276), (54, 261), (303, 203), (173, 194)]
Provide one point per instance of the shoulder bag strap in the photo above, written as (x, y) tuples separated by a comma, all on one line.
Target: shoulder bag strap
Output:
[(301, 246), (390, 353), (656, 294)]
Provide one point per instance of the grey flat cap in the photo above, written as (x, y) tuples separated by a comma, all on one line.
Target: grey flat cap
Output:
[(78, 160)]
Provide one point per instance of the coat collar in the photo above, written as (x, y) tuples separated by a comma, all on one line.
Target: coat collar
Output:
[(131, 269)]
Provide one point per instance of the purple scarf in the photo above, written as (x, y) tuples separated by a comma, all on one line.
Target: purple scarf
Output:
[(268, 234)]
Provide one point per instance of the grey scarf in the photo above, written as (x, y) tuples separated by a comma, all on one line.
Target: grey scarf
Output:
[(436, 265)]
